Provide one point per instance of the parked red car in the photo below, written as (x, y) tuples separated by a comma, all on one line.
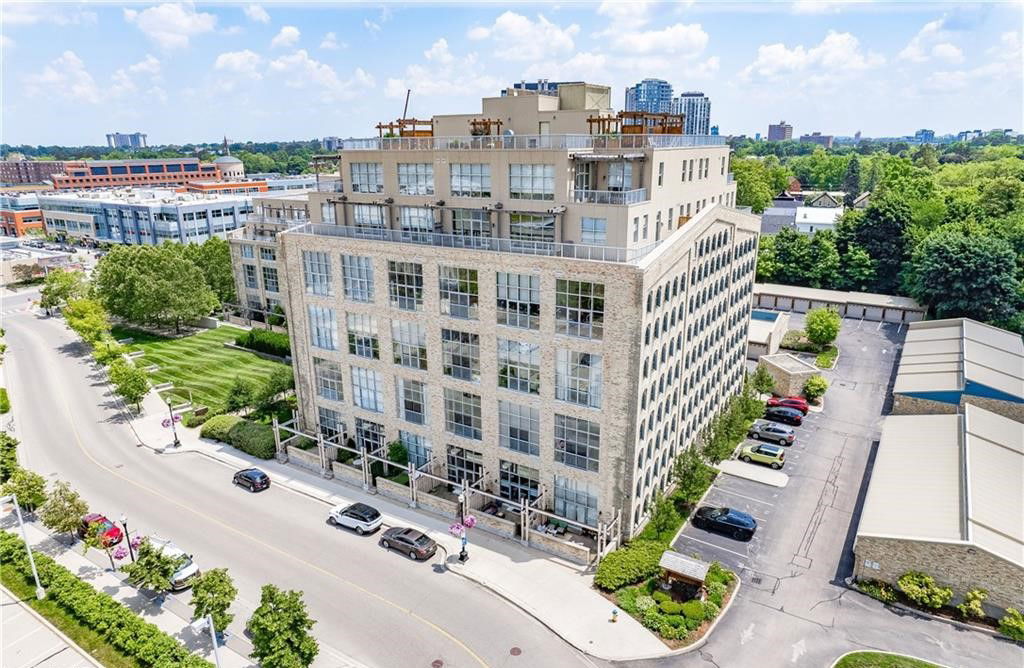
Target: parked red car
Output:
[(110, 532), (798, 403)]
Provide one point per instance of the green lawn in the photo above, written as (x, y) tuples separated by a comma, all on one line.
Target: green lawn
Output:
[(199, 362), (881, 660)]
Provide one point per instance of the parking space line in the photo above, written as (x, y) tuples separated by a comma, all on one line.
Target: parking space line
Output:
[(717, 547), (742, 496)]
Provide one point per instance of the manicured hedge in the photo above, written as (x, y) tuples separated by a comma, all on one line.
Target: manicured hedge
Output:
[(633, 563), (265, 341), (5, 402), (249, 437), (8, 456), (114, 622)]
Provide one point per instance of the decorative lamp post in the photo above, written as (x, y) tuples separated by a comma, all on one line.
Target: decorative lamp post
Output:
[(461, 530), (173, 420), (127, 536)]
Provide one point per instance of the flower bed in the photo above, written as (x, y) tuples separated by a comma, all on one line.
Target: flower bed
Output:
[(677, 623)]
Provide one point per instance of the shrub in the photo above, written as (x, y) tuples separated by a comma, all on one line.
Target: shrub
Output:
[(718, 574), (676, 621), (670, 607), (827, 358), (693, 624), (629, 565), (716, 593), (644, 603), (1012, 625), (218, 426), (922, 590), (711, 610), (8, 456), (253, 439), (822, 326), (113, 622), (5, 401), (653, 619), (815, 388), (661, 596), (191, 419), (265, 341), (878, 590), (793, 340), (693, 609), (762, 381), (971, 607), (626, 598)]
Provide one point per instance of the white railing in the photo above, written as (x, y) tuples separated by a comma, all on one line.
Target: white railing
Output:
[(524, 142), (610, 196), (497, 245)]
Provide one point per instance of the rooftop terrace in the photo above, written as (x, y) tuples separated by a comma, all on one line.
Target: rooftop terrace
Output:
[(525, 142)]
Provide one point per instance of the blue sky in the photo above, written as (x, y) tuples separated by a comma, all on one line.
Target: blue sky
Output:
[(194, 72)]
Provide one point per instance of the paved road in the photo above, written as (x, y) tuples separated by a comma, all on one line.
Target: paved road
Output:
[(30, 643), (793, 609), (376, 607)]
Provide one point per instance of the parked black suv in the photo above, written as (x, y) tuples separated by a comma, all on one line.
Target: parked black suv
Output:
[(252, 479), (782, 414), (739, 525)]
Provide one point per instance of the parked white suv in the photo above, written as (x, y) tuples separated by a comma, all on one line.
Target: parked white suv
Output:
[(358, 516), (182, 578)]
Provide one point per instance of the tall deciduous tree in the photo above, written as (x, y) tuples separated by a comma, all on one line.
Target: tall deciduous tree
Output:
[(213, 257), (793, 257), (857, 271), (752, 184), (29, 487), (822, 326), (767, 264), (130, 382), (64, 509), (823, 271), (152, 569), (851, 180), (882, 233), (964, 271), (88, 319), (279, 629), (213, 592), (60, 287)]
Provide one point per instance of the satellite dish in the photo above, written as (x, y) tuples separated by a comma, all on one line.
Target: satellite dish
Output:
[(508, 132)]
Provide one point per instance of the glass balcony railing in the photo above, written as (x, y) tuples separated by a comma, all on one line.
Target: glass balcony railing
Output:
[(493, 244), (610, 196), (525, 142)]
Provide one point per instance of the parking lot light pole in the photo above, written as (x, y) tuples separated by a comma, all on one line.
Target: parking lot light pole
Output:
[(40, 592), (127, 536)]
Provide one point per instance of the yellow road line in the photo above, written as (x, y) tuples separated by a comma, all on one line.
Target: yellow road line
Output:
[(417, 617)]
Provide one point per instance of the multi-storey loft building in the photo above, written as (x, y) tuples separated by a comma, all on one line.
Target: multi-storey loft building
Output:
[(83, 174), (20, 172), (532, 309), (695, 107), (141, 216)]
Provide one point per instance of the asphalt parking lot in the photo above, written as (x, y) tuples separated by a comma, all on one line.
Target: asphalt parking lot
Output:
[(826, 466)]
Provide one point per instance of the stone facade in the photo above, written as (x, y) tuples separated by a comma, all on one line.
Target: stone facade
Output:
[(789, 372), (903, 404), (961, 567)]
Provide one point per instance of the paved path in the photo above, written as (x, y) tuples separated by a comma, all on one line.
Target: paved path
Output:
[(29, 641)]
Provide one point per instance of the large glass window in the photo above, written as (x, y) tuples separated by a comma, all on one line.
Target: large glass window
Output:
[(367, 177), (327, 214), (328, 379), (247, 252), (470, 179), (577, 442), (409, 344), (519, 300), (362, 335), (317, 268), (460, 292), (462, 414), (575, 500), (579, 309), (412, 400), (405, 285), (519, 366), (532, 227), (472, 226), (461, 354), (367, 390), (594, 231), (330, 422), (357, 273), (251, 280), (370, 436), (517, 482), (578, 378), (531, 181), (270, 279), (415, 178), (418, 223), (369, 218), (267, 254), (464, 465), (519, 427), (417, 446), (620, 176), (323, 328)]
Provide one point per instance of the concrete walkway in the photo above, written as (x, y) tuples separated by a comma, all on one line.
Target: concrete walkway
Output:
[(172, 616), (29, 641), (557, 593)]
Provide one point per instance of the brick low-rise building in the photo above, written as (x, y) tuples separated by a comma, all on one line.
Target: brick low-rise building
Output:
[(20, 172)]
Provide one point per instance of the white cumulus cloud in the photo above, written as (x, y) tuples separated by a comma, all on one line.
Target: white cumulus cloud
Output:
[(65, 77), (948, 52), (246, 62), (331, 43), (288, 36), (300, 71), (839, 55), (257, 13), (916, 50), (675, 39), (517, 37), (171, 25)]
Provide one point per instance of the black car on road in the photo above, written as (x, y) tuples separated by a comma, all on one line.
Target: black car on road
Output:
[(409, 541), (787, 415), (728, 521), (252, 479)]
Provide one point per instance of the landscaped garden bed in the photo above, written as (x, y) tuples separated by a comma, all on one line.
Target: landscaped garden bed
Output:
[(881, 660)]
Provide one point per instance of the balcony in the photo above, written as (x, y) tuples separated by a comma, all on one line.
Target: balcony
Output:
[(490, 244), (610, 196), (527, 142)]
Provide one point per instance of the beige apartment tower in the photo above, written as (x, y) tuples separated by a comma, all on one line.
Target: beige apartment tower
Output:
[(537, 309)]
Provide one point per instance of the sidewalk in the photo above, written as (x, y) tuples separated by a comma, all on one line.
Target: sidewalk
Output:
[(172, 617), (555, 592), (29, 641)]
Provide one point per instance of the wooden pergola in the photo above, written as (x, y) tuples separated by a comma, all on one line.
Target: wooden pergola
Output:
[(648, 123), (483, 127), (407, 127)]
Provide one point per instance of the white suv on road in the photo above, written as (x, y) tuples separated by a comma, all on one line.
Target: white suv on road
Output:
[(182, 578), (358, 516)]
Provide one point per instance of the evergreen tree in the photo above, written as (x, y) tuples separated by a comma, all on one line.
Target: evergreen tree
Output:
[(851, 180)]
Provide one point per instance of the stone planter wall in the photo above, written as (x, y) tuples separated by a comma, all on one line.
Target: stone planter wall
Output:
[(393, 490), (494, 524), (347, 473), (438, 505), (578, 554), (309, 459)]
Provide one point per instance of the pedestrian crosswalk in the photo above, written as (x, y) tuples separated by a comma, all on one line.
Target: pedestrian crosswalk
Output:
[(17, 310)]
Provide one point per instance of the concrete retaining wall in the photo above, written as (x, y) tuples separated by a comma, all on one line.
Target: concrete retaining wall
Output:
[(393, 490), (349, 474), (494, 524), (579, 554), (438, 505), (309, 459)]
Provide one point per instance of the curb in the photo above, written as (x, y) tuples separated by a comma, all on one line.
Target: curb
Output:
[(45, 622), (878, 651)]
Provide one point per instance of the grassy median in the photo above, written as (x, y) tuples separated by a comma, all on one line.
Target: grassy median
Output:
[(881, 660)]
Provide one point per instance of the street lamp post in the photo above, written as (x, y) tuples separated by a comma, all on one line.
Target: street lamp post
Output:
[(127, 536), (174, 429), (40, 592), (207, 623)]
